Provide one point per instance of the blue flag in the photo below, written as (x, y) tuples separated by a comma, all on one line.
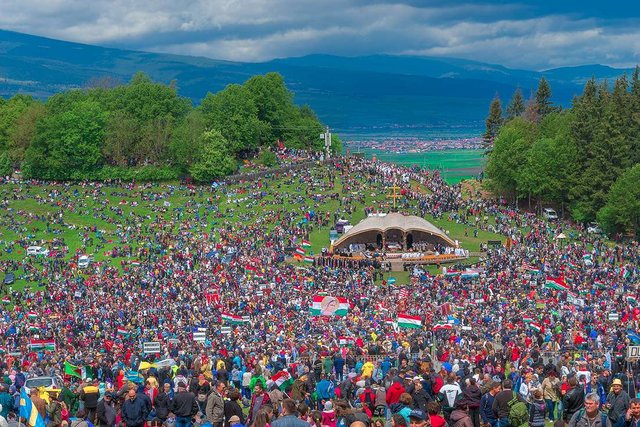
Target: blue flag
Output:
[(633, 336), (29, 411)]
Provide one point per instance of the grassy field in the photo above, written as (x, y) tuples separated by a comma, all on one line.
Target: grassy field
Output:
[(456, 165), (37, 217)]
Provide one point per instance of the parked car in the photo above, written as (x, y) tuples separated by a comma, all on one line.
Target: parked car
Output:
[(9, 278), (37, 250), (49, 383), (84, 261), (594, 228), (549, 214)]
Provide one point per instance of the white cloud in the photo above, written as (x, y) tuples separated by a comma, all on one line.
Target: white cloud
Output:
[(255, 30)]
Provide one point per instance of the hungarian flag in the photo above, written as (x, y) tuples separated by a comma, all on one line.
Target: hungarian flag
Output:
[(259, 275), (306, 244), (300, 251), (308, 259), (527, 319), (632, 300), (327, 305), (122, 331), (6, 300), (599, 284), (32, 315), (441, 326), (232, 319), (49, 345), (249, 269), (556, 283), (407, 321), (72, 370), (452, 273), (536, 327), (282, 379), (346, 341)]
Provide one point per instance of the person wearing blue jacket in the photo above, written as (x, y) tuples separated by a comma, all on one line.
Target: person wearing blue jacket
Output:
[(324, 390)]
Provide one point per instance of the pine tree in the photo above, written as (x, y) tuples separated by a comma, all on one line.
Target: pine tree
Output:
[(543, 98), (516, 105), (493, 122)]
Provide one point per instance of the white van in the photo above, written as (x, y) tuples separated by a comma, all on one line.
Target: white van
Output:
[(37, 250), (84, 261), (549, 214)]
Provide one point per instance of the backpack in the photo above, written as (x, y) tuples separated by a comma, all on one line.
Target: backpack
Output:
[(518, 412), (603, 417), (369, 400)]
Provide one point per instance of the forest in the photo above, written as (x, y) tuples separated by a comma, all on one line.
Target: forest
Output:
[(583, 160), (144, 130)]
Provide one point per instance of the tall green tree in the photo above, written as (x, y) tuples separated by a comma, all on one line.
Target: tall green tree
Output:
[(622, 210), (493, 122), (274, 102), (215, 160), (233, 111), (543, 98), (509, 154), (67, 145), (516, 105)]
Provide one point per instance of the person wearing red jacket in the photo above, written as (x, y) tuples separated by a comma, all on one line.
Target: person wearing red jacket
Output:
[(394, 392)]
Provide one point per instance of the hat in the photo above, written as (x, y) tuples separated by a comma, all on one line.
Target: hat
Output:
[(328, 406), (616, 382), (234, 419), (418, 413), (418, 378)]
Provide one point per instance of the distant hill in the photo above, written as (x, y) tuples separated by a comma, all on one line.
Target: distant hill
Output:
[(354, 95)]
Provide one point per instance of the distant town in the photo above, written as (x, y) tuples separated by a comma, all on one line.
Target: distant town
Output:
[(414, 145)]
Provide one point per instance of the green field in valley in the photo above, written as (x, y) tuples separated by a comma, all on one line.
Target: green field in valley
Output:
[(456, 165)]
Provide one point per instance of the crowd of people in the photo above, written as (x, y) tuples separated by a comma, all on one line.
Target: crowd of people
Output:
[(544, 319)]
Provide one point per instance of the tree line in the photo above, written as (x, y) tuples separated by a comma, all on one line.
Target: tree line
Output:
[(145, 130), (585, 159)]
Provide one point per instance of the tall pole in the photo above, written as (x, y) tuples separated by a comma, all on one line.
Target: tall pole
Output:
[(327, 142)]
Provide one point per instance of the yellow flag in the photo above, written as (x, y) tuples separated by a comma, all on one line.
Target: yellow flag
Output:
[(374, 336)]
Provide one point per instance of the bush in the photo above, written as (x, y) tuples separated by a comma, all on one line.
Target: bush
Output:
[(267, 158)]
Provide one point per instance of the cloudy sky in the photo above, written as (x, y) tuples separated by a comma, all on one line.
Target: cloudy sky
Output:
[(527, 34)]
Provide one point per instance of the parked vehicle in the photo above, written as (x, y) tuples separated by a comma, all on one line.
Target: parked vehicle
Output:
[(84, 261), (49, 383), (37, 250), (594, 228), (549, 214)]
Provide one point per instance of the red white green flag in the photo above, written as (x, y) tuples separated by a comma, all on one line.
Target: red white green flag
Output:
[(327, 305), (556, 283), (409, 322)]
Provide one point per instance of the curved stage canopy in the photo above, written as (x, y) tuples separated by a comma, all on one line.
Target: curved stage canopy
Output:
[(393, 227)]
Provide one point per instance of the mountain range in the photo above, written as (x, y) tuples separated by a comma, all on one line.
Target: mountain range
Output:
[(359, 97)]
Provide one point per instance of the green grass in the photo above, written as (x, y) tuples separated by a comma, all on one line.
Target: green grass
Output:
[(286, 194), (455, 165)]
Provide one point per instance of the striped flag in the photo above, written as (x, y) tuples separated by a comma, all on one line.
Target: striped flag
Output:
[(225, 330), (632, 300), (308, 259), (199, 334), (300, 251), (6, 300), (527, 319), (409, 322), (32, 315), (29, 411), (122, 331), (249, 269), (346, 341), (282, 379), (556, 283), (329, 306), (599, 284), (49, 345), (536, 327), (441, 326), (231, 318), (306, 244)]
